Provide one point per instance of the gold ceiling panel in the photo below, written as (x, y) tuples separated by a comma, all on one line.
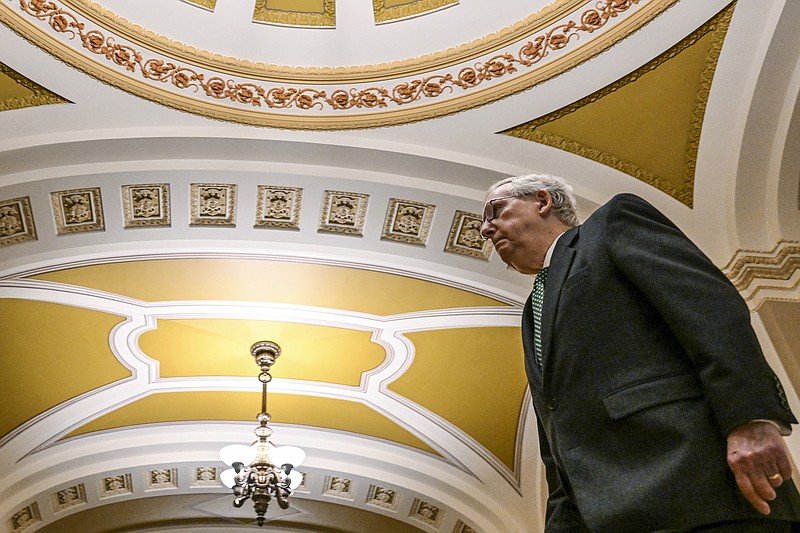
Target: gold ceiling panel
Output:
[(658, 142), (17, 91), (390, 10), (269, 281), (45, 349), (172, 407), (313, 13), (487, 367), (222, 348), (208, 4)]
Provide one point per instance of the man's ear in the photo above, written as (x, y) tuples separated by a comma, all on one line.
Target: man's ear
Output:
[(545, 201)]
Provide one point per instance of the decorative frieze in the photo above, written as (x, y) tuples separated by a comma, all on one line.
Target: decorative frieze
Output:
[(146, 205), (408, 222), (549, 42), (78, 210), (465, 236), (278, 207), (16, 221), (343, 212)]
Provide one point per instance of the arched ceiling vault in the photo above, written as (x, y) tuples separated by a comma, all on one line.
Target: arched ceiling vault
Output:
[(180, 179)]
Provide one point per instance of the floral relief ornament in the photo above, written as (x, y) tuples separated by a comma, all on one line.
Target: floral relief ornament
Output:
[(16, 221), (407, 221), (465, 236), (344, 212), (254, 94), (278, 207), (78, 210), (214, 204), (146, 205)]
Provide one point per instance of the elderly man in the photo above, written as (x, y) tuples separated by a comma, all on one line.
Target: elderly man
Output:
[(656, 408)]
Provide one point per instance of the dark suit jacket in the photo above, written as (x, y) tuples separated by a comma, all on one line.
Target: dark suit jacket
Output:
[(649, 361)]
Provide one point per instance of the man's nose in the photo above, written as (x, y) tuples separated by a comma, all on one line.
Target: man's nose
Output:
[(487, 229)]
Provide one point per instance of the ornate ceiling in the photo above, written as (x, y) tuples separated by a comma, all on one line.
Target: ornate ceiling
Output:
[(181, 179)]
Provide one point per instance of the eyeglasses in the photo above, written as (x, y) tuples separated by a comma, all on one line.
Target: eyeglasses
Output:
[(489, 210)]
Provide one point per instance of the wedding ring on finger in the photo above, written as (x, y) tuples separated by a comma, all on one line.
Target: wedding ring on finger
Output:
[(775, 477)]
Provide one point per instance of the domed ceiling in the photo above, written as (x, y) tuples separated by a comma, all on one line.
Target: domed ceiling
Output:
[(181, 179)]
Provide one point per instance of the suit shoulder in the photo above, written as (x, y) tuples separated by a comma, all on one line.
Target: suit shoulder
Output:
[(631, 204), (619, 203), (627, 199)]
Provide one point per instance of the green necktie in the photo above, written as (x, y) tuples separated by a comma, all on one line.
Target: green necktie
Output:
[(536, 304)]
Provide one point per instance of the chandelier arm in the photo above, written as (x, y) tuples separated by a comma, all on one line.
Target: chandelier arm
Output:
[(282, 495)]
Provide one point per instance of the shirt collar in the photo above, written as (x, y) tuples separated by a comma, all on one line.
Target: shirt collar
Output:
[(549, 255)]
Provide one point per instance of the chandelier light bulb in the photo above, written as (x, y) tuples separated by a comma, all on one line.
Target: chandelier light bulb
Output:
[(228, 477), (283, 455), (295, 479), (237, 453)]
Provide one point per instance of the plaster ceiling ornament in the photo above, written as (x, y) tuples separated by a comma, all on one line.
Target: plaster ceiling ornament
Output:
[(78, 210), (16, 221), (146, 205), (557, 38)]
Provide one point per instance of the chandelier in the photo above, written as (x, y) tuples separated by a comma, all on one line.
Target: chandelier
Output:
[(262, 471)]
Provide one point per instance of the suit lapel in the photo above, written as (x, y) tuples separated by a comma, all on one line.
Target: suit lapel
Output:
[(560, 263)]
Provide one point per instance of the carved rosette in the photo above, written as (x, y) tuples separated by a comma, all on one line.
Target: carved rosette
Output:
[(16, 221), (213, 204), (78, 210), (146, 205), (465, 236), (344, 212), (278, 207)]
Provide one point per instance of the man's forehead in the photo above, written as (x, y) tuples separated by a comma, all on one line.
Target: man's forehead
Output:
[(503, 190)]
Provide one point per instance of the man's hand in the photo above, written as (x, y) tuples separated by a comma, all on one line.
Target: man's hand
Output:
[(758, 458)]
